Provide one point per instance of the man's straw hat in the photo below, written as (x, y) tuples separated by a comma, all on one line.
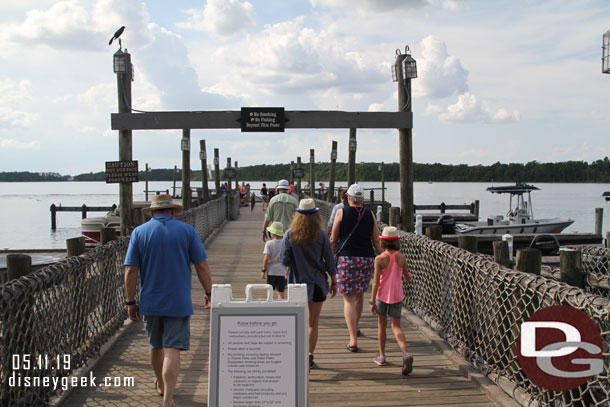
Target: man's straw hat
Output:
[(162, 201)]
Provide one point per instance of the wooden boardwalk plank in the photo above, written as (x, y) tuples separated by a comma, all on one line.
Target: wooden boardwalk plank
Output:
[(341, 379)]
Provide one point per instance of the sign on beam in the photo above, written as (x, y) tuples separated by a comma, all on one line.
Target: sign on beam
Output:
[(232, 120), (262, 119), (121, 171), (230, 173), (298, 173)]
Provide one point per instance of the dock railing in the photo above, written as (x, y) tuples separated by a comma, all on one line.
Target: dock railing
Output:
[(56, 318), (478, 306)]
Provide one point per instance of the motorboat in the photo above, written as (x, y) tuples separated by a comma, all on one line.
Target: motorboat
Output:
[(606, 195), (518, 220), (91, 228)]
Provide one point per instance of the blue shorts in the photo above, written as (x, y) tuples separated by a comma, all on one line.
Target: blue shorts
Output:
[(168, 332), (393, 310)]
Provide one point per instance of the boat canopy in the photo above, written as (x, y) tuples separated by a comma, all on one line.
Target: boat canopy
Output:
[(607, 193), (517, 189)]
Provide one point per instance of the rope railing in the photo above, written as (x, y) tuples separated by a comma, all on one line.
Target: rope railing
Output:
[(52, 321), (477, 306)]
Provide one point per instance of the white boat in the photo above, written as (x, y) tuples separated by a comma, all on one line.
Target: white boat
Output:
[(518, 220), (91, 228)]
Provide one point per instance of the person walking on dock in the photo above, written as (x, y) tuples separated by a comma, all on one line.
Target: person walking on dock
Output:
[(387, 295), (160, 252), (355, 234), (307, 252), (273, 269), (281, 207)]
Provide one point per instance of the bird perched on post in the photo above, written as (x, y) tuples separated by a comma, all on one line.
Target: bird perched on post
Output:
[(116, 35)]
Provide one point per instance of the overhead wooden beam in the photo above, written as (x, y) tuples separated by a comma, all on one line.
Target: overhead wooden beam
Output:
[(231, 120)]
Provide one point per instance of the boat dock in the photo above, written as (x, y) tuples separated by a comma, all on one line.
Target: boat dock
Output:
[(341, 378)]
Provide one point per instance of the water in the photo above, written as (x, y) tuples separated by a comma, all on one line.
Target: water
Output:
[(25, 217)]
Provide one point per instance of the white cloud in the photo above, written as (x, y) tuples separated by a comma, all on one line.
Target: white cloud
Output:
[(439, 74), (16, 144), (469, 109), (222, 18), (376, 107), (364, 6), (13, 93), (288, 59)]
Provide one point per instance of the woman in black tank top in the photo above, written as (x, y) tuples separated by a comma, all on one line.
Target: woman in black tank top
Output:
[(356, 235)]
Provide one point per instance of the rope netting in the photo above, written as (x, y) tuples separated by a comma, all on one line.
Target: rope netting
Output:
[(478, 306), (54, 319)]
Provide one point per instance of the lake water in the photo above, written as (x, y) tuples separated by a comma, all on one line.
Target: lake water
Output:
[(25, 217)]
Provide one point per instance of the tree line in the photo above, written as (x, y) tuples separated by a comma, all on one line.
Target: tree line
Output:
[(569, 171)]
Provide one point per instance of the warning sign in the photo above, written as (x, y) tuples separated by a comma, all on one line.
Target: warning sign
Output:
[(121, 171)]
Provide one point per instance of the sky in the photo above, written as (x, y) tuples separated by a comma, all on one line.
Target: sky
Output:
[(508, 81)]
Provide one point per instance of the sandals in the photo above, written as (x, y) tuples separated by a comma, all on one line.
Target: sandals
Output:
[(407, 364), (351, 348), (380, 360)]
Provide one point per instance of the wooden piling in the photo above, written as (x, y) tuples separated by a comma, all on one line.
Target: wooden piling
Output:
[(394, 216), (351, 162), (372, 202), (106, 235), (203, 156), (17, 265), (570, 263), (236, 165), (125, 144), (312, 182), (84, 211), (599, 220), (529, 260), (501, 253), (607, 240), (300, 191), (75, 246), (53, 217), (175, 172), (435, 232), (217, 171), (186, 169), (333, 165), (468, 243)]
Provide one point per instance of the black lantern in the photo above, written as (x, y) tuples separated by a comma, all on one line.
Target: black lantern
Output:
[(121, 62), (409, 67)]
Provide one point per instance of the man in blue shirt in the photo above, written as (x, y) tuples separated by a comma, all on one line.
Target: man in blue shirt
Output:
[(161, 252)]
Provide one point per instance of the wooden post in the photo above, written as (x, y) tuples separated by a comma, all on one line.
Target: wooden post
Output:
[(228, 179), (175, 171), (84, 211), (501, 253), (125, 144), (382, 169), (570, 263), (146, 183), (299, 179), (607, 240), (468, 243), (203, 156), (394, 216), (599, 220), (17, 265), (333, 165), (405, 147), (107, 235), (236, 179), (75, 246), (217, 172), (292, 167), (53, 217), (186, 168), (312, 185), (477, 205), (435, 232), (351, 161), (372, 199), (529, 260)]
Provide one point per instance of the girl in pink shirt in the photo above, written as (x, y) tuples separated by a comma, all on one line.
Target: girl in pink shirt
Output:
[(387, 295)]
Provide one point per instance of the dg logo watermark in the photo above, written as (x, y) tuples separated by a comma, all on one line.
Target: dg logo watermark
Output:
[(560, 348)]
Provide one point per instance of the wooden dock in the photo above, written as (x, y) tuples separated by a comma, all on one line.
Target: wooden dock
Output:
[(341, 379)]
